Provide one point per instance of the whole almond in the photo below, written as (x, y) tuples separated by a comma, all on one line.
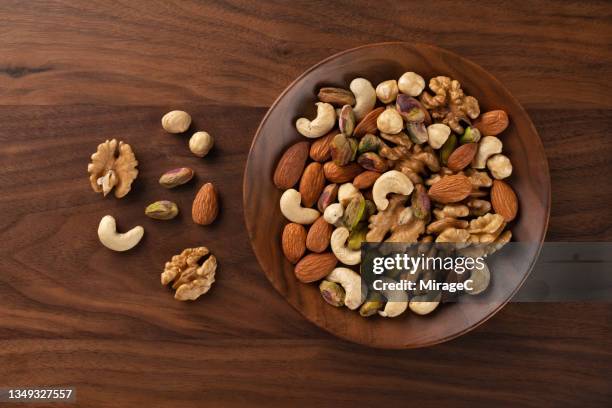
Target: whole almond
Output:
[(328, 196), (313, 267), (294, 242), (341, 174), (290, 166), (368, 123), (450, 189), (320, 150), (312, 184), (319, 235), (366, 179), (205, 205), (462, 156), (503, 200), (492, 123)]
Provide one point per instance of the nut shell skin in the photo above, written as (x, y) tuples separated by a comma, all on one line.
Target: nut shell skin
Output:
[(320, 150), (176, 121), (462, 156), (313, 267), (290, 166), (205, 206), (450, 189), (503, 200), (492, 123), (319, 235), (294, 242), (312, 184), (341, 174), (176, 177)]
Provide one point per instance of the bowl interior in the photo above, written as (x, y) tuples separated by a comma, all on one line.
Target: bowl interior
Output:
[(379, 62)]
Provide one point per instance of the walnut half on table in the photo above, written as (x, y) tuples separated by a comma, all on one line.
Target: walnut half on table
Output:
[(190, 279)]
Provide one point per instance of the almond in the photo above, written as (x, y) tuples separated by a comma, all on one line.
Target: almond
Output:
[(312, 184), (366, 179), (319, 235), (503, 200), (313, 267), (462, 156), (492, 123), (321, 148), (205, 205), (341, 174), (368, 123), (290, 166), (450, 189), (294, 242)]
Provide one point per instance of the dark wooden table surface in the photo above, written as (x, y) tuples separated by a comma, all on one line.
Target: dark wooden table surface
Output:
[(73, 313)]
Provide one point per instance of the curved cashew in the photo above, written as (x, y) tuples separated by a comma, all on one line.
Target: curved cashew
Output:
[(438, 134), (398, 305), (422, 305), (319, 126), (480, 280), (351, 282), (488, 146), (110, 238), (365, 97), (347, 192), (411, 84), (290, 205), (333, 213), (499, 166), (392, 181), (343, 253)]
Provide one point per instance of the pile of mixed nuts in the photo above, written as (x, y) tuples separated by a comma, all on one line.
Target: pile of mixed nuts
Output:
[(113, 166), (395, 163)]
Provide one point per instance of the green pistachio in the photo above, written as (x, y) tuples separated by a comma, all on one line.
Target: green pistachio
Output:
[(368, 143), (471, 135), (447, 148), (357, 236), (354, 212), (176, 177), (372, 161), (162, 210), (421, 205), (332, 293), (343, 149), (373, 304), (346, 120)]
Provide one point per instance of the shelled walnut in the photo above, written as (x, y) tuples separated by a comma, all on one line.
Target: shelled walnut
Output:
[(113, 165), (189, 278)]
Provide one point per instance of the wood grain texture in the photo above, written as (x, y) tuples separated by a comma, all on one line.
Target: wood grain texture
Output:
[(72, 313)]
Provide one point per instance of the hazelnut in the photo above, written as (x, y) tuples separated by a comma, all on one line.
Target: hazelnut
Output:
[(387, 91), (411, 84), (201, 143), (176, 121), (390, 121)]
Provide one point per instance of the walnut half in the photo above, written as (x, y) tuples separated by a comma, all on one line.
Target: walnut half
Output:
[(112, 165), (190, 279)]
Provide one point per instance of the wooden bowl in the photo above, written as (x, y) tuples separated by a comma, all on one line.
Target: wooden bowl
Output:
[(379, 62)]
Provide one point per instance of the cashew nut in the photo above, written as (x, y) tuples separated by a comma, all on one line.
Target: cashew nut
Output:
[(290, 205), (387, 91), (499, 166), (423, 305), (399, 302), (480, 280), (488, 146), (351, 282), (110, 238), (411, 84), (438, 134), (319, 126), (333, 213), (392, 181), (390, 122), (365, 97), (343, 253), (346, 193)]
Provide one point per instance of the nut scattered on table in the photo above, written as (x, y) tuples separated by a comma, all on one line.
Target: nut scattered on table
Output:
[(176, 121), (113, 165), (200, 143), (110, 238), (162, 210), (176, 177), (191, 273), (205, 206)]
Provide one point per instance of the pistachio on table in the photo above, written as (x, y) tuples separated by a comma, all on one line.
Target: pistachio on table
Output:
[(176, 177), (162, 210)]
